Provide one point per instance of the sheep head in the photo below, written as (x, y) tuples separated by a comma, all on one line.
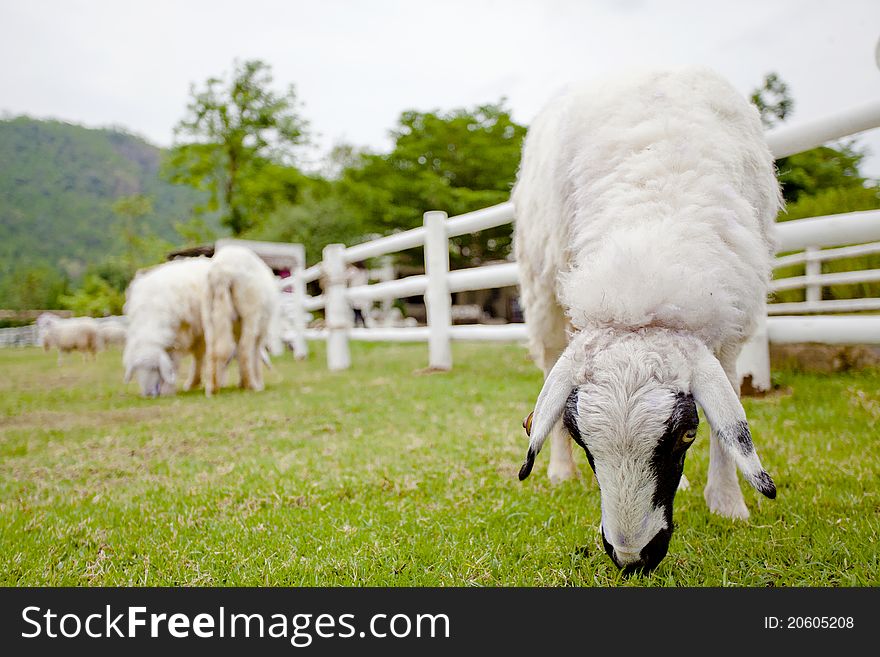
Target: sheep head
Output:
[(153, 368), (630, 401)]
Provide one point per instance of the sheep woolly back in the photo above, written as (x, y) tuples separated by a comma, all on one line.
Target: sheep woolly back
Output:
[(163, 306), (73, 333), (654, 198), (255, 291)]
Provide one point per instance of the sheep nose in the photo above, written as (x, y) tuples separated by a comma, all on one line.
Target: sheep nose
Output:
[(640, 561)]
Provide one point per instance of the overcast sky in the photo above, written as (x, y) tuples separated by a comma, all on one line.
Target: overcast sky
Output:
[(357, 65)]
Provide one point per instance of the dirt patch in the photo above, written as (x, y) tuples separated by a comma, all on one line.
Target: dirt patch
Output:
[(431, 370), (76, 419), (823, 358), (747, 389)]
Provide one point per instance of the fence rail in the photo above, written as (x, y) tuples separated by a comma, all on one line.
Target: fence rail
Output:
[(850, 235), (806, 241)]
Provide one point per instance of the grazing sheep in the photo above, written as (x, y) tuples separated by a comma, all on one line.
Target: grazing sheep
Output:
[(241, 314), (163, 306), (112, 333), (71, 334), (645, 208)]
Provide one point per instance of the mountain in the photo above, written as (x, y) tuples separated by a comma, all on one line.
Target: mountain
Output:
[(58, 183)]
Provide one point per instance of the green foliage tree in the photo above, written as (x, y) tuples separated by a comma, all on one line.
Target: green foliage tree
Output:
[(58, 186), (102, 291), (237, 141), (33, 287), (131, 210), (822, 181), (95, 297), (195, 231), (456, 161), (773, 100), (818, 170)]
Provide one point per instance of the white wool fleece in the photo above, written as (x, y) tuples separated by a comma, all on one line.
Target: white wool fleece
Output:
[(654, 198), (163, 307)]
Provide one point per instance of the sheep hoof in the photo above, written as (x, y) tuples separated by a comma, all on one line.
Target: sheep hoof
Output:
[(559, 472), (726, 503)]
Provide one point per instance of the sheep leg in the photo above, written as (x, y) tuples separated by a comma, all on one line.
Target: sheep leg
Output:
[(218, 318), (722, 493), (258, 367), (217, 359), (195, 377), (248, 359)]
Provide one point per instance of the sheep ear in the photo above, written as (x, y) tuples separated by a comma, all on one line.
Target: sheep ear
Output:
[(715, 395), (166, 368), (548, 410)]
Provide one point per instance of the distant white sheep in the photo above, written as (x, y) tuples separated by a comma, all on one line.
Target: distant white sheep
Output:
[(69, 334), (111, 333), (645, 207), (241, 314), (163, 306)]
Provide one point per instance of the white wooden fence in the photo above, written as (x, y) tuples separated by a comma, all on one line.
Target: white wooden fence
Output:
[(808, 236)]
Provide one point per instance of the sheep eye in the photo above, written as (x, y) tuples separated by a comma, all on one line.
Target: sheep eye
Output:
[(689, 436), (527, 424)]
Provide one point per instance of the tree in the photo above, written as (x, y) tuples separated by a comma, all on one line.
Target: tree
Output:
[(773, 100), (456, 161), (238, 141), (96, 297), (132, 209), (821, 181), (820, 169), (34, 287)]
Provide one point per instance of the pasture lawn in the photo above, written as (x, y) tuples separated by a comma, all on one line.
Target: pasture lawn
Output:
[(389, 477)]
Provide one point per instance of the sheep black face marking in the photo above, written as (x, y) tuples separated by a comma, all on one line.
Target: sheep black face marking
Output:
[(569, 421), (665, 469)]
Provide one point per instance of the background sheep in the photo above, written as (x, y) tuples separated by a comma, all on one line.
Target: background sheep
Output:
[(70, 334), (645, 207), (111, 333), (163, 307), (242, 316)]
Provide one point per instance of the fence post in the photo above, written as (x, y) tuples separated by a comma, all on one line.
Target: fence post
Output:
[(754, 360), (298, 297), (438, 301), (337, 312), (813, 267), (386, 273)]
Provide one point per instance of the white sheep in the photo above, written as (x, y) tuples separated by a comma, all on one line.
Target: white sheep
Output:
[(242, 316), (112, 332), (645, 211), (69, 334), (163, 306)]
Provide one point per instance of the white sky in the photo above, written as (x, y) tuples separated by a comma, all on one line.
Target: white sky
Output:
[(357, 65)]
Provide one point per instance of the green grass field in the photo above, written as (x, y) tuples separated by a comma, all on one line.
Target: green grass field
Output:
[(385, 476)]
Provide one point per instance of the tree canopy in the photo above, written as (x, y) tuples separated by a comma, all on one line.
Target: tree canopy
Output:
[(238, 141), (456, 161)]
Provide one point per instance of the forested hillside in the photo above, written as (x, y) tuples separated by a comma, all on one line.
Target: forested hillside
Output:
[(58, 184)]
